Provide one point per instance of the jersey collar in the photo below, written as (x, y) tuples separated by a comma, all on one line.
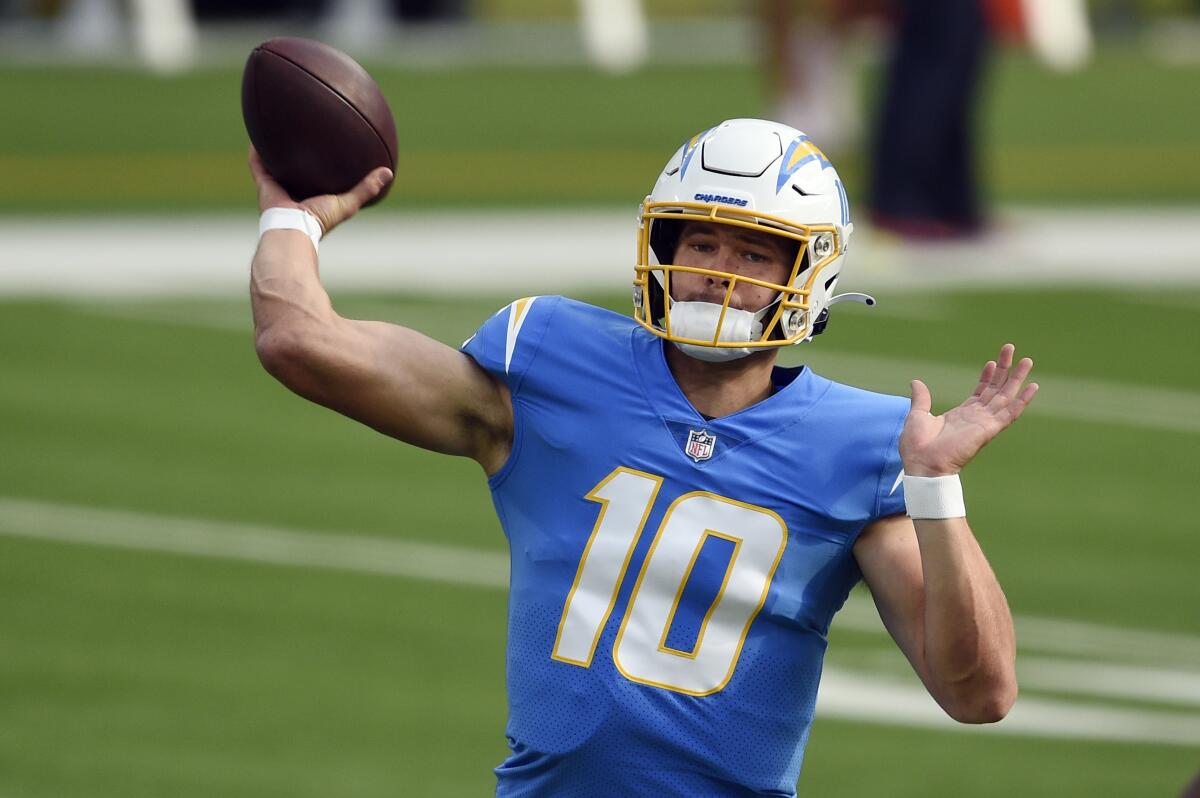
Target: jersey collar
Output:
[(796, 389)]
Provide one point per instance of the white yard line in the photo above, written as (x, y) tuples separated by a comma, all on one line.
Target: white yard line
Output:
[(1153, 683), (844, 694), (425, 561), (872, 698), (551, 251), (1061, 637), (1164, 685)]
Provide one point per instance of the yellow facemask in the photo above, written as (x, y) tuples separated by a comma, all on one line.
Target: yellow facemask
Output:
[(784, 322)]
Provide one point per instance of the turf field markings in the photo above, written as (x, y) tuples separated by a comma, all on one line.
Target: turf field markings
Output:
[(873, 698), (137, 531), (1144, 684), (124, 257), (481, 568), (846, 694), (1163, 685), (1063, 637)]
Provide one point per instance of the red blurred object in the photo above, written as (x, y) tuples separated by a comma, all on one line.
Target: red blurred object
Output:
[(1006, 18)]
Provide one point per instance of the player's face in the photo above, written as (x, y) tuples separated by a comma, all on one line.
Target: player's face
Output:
[(732, 250)]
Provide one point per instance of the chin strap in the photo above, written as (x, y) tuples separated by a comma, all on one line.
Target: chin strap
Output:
[(823, 319)]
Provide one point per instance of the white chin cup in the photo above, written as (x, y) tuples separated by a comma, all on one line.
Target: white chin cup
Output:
[(699, 320)]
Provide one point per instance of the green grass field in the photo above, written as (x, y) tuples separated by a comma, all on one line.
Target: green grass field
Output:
[(1122, 132), (136, 673)]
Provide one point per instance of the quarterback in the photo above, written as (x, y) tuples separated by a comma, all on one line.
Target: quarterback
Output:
[(684, 517)]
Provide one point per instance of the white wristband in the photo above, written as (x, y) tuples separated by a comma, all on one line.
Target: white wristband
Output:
[(934, 497), (291, 219)]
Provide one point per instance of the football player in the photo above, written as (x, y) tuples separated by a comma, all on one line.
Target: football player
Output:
[(684, 517)]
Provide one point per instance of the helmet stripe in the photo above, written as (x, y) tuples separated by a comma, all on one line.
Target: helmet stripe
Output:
[(799, 152), (690, 148)]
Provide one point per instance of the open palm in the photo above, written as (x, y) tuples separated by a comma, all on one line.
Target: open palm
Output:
[(937, 445)]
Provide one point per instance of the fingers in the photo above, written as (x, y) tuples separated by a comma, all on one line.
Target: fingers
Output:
[(921, 399), (1008, 399), (258, 170), (270, 193), (348, 204), (1006, 356), (333, 209), (368, 188), (1003, 364), (997, 374), (1016, 379), (1017, 406), (985, 378)]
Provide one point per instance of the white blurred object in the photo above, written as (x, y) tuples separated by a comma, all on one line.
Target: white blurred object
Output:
[(1059, 32), (164, 32), (119, 256), (820, 95), (615, 33), (90, 26), (1172, 40), (358, 25)]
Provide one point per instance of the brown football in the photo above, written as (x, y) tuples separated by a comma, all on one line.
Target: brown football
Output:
[(318, 120)]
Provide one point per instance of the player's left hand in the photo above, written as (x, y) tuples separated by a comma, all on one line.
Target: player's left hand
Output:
[(939, 445)]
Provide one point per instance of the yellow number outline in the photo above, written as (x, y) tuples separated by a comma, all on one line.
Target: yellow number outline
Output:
[(762, 599), (593, 495)]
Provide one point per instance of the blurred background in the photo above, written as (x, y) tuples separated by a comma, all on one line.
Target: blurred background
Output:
[(210, 587)]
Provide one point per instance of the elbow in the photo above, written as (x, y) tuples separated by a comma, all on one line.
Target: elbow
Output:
[(273, 348), (284, 352), (984, 703)]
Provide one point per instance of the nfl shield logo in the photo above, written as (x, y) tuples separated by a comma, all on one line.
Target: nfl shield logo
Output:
[(700, 444)]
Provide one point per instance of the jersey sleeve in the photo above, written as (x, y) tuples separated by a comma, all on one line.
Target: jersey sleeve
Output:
[(890, 496), (507, 343)]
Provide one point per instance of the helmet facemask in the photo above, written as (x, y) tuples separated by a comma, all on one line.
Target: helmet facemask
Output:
[(718, 332)]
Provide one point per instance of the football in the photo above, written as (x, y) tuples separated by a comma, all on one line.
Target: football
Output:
[(318, 120)]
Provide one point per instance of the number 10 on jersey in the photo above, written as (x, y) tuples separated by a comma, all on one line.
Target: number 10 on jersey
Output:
[(641, 653)]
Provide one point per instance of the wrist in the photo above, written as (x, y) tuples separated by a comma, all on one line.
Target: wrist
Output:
[(914, 468), (930, 473), (933, 497), (283, 218)]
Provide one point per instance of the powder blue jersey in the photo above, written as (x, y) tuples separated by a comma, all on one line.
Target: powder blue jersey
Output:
[(673, 578)]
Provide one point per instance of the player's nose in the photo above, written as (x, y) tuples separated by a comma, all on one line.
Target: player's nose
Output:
[(724, 260), (718, 280)]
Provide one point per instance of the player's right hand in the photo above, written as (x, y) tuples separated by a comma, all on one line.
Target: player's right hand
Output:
[(329, 209)]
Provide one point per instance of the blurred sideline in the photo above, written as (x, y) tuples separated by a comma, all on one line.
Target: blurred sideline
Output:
[(561, 252)]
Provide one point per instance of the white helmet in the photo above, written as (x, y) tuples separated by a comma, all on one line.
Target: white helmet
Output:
[(753, 174)]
